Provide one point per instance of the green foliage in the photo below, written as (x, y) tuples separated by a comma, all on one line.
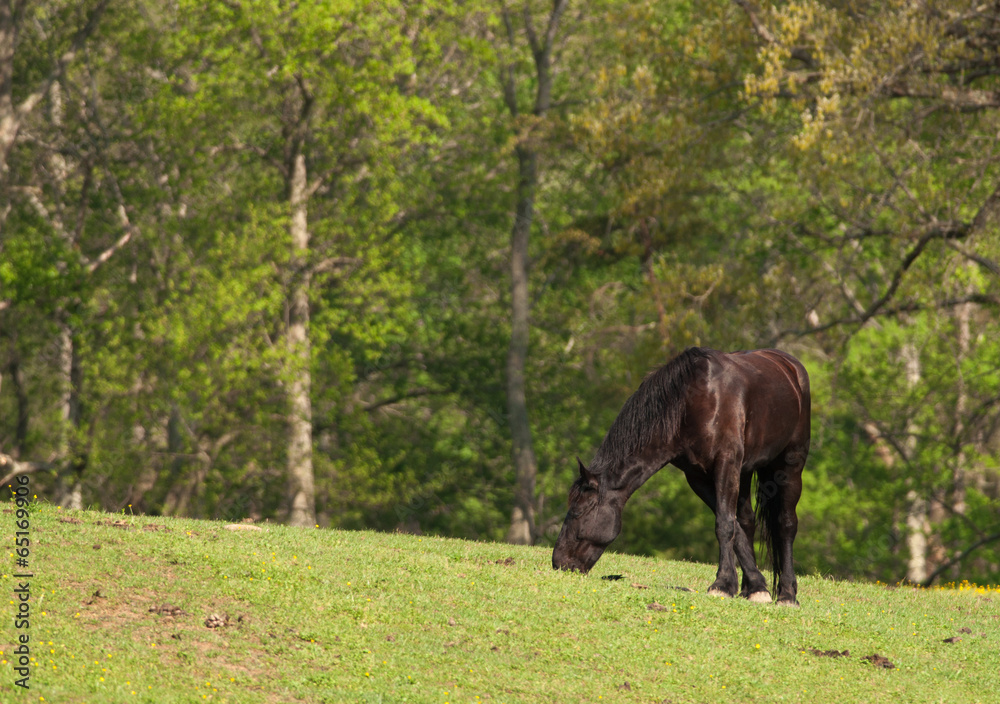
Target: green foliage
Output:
[(822, 182)]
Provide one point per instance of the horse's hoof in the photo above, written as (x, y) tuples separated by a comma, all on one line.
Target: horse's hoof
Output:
[(718, 592), (788, 602), (760, 598)]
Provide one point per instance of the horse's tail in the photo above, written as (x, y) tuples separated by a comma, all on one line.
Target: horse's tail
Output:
[(767, 506)]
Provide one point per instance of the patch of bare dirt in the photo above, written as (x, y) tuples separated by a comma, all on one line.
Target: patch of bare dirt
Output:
[(167, 610), (115, 524), (119, 610), (656, 606), (94, 597)]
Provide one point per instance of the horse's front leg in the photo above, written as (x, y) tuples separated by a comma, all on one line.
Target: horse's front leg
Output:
[(727, 529)]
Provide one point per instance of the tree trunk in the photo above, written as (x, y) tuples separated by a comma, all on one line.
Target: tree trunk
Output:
[(916, 538), (916, 518), (301, 494), (10, 116), (21, 394), (175, 463), (522, 526), (958, 494), (73, 460)]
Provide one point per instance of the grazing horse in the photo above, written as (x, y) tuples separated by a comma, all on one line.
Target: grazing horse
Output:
[(721, 419)]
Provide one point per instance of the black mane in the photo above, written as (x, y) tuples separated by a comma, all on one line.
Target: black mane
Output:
[(654, 410)]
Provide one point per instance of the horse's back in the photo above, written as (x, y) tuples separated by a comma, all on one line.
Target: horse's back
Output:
[(758, 398), (796, 373), (759, 369)]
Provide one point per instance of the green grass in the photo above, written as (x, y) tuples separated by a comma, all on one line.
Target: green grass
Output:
[(328, 616)]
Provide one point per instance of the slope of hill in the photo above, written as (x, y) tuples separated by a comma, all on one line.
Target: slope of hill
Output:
[(142, 609)]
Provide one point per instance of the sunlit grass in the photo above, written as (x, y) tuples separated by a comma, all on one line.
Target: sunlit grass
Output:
[(328, 616)]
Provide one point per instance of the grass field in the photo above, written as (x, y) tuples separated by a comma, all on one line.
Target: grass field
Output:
[(119, 606)]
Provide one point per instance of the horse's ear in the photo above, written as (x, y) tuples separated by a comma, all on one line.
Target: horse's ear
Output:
[(585, 474)]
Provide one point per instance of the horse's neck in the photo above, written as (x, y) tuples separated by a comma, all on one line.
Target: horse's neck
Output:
[(636, 472)]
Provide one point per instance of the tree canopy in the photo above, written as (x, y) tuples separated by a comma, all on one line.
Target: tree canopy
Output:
[(395, 266)]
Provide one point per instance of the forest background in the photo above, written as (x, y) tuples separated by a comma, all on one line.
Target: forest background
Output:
[(394, 265)]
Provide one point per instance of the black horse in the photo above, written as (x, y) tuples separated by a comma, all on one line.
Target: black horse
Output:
[(721, 418)]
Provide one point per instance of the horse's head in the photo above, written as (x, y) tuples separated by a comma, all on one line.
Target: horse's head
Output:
[(593, 522)]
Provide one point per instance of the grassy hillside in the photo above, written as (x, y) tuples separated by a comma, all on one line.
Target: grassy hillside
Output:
[(119, 609)]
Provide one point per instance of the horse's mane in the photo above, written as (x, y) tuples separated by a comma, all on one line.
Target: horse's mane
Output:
[(654, 410)]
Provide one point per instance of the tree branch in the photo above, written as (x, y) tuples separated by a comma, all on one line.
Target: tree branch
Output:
[(507, 69), (759, 28), (543, 57), (958, 558), (947, 231), (990, 211), (18, 468), (416, 393), (529, 28), (333, 263), (987, 264), (32, 194), (32, 99), (126, 224), (969, 100), (558, 7)]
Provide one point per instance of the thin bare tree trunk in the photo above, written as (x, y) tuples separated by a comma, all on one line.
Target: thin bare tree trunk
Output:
[(916, 538), (11, 115), (916, 518), (176, 463), (72, 460), (21, 394), (522, 525), (959, 479), (301, 492)]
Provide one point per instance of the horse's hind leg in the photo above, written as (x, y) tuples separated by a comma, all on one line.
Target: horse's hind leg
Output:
[(787, 524), (779, 489), (754, 586)]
